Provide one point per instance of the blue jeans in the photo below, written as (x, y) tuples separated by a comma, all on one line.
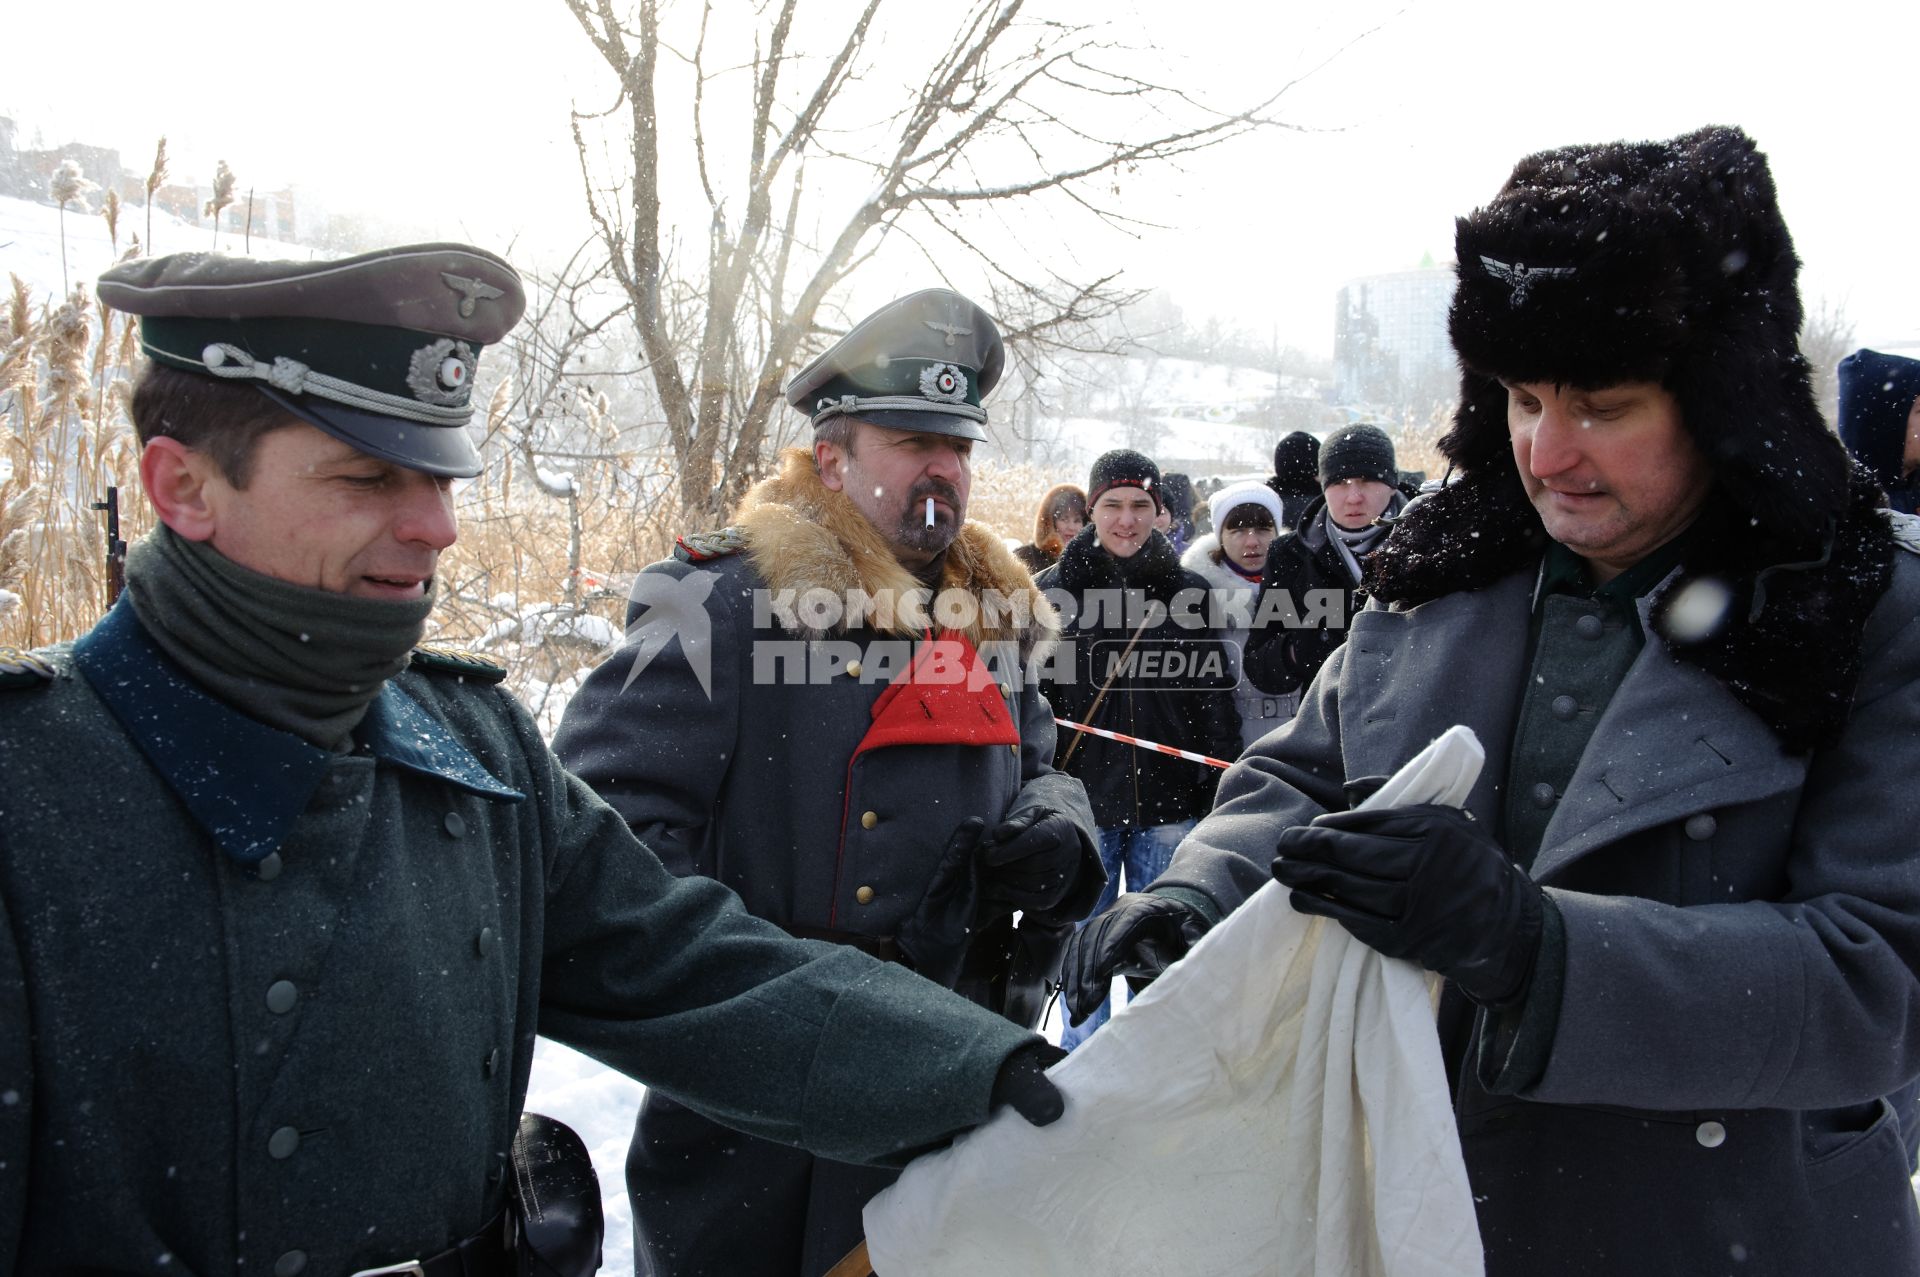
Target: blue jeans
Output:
[(1143, 853)]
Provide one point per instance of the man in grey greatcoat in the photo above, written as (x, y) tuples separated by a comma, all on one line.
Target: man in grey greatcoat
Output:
[(1679, 918), (285, 899), (827, 707)]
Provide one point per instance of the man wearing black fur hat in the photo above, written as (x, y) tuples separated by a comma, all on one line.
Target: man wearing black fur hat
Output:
[(1680, 916)]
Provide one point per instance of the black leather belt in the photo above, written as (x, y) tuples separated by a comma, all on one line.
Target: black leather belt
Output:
[(488, 1253), (885, 948)]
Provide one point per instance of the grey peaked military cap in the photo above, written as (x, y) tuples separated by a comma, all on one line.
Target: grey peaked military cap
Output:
[(377, 350), (922, 363)]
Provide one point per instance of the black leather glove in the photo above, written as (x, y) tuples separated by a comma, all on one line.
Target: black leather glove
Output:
[(1423, 883), (934, 937), (1141, 935), (1022, 1082), (1029, 861)]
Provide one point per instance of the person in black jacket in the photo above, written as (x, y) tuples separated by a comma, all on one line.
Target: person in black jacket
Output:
[(1326, 552), (1156, 671), (1296, 475), (1880, 421)]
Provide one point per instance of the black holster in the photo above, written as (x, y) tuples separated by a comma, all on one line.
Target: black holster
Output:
[(556, 1201)]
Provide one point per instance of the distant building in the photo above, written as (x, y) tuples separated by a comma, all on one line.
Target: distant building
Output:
[(1390, 342), (98, 164)]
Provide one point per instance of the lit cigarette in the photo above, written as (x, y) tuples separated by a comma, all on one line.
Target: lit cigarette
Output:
[(929, 511)]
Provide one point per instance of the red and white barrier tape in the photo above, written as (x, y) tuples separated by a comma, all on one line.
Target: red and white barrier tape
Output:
[(1125, 739)]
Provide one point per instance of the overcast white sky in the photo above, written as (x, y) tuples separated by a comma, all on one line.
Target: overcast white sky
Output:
[(455, 119)]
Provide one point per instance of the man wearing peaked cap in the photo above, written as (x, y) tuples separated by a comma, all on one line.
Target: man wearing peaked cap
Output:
[(876, 773), (1679, 920), (285, 899), (378, 350), (923, 363)]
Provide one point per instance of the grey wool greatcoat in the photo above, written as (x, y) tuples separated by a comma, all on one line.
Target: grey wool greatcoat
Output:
[(802, 778), (270, 1009), (1742, 936)]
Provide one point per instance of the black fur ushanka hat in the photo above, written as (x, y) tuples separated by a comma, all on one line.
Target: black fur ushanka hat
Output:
[(1665, 262), (1651, 261)]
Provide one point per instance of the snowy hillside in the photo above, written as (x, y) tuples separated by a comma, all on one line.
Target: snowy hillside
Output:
[(1203, 418), (30, 242)]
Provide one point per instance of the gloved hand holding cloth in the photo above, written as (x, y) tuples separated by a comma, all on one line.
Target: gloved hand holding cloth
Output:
[(1140, 935), (1424, 883)]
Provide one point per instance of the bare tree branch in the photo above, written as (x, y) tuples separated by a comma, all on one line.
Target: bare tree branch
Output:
[(1005, 111)]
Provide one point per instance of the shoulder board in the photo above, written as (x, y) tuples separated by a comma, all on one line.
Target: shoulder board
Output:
[(699, 547), (1905, 529), (435, 658), (20, 668)]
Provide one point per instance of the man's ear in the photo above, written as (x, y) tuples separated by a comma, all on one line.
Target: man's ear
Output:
[(176, 478), (830, 459)]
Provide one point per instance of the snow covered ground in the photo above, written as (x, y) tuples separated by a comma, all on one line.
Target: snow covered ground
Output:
[(30, 242)]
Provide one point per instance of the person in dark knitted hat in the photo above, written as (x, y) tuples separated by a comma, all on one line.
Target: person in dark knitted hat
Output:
[(1677, 919), (1296, 475), (1123, 468), (1880, 421), (1325, 555), (1155, 668), (1357, 452), (1176, 496)]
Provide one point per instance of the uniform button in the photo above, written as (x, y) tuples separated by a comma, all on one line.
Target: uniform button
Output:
[(869, 819), (456, 824), (1014, 748), (1588, 627), (268, 869), (282, 1143), (483, 943), (1565, 707), (1710, 1134), (864, 895), (281, 995), (291, 1264), (1543, 795), (491, 1063), (1701, 827), (853, 669)]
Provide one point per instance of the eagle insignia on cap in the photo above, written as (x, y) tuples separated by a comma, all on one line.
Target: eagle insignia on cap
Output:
[(1520, 277), (951, 330), (471, 291), (943, 382), (442, 373)]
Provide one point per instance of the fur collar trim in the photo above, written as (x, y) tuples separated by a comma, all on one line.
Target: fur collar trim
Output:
[(1153, 569), (801, 535), (1783, 637)]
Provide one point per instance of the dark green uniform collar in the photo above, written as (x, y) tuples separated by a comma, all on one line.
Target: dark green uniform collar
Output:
[(1564, 572), (244, 782)]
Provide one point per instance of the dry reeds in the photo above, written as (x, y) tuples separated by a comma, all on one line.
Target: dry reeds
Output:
[(64, 439)]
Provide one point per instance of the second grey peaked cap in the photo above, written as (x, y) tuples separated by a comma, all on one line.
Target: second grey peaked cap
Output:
[(921, 363)]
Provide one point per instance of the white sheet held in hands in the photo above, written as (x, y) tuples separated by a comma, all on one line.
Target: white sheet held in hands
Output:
[(1274, 1104)]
